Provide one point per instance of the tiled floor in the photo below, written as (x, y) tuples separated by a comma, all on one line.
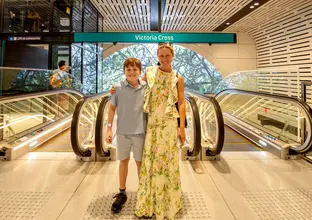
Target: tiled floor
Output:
[(242, 185)]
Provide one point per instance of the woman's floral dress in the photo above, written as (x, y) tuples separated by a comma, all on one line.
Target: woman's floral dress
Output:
[(159, 190)]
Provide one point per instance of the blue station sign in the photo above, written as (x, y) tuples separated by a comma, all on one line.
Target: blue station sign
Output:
[(153, 37)]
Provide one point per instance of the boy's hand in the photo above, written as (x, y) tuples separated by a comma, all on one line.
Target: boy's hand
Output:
[(109, 135), (112, 90)]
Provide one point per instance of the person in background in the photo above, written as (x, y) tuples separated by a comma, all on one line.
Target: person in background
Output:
[(60, 77)]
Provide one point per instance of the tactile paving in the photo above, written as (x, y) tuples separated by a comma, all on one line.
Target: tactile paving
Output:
[(281, 204), (22, 205), (194, 207)]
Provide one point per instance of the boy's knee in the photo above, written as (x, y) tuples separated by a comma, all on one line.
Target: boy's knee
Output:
[(139, 163), (124, 161)]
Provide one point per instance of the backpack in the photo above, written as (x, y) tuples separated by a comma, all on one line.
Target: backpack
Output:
[(54, 82)]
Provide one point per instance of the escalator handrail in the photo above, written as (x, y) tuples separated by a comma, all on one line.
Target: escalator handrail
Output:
[(196, 126), (74, 134), (307, 145), (218, 146), (18, 97), (99, 148)]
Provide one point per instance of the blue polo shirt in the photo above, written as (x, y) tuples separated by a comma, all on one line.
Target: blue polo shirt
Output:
[(131, 120)]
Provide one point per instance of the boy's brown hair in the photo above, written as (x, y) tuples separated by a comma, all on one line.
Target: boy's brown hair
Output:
[(132, 62)]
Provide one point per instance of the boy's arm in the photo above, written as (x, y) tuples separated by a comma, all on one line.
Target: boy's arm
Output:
[(111, 114), (109, 132), (112, 108)]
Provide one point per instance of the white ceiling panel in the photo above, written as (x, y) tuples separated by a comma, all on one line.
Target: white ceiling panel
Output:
[(179, 15), (124, 15), (199, 15), (272, 11)]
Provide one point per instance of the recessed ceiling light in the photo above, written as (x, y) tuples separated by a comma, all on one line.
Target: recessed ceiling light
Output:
[(257, 3), (252, 6), (228, 23)]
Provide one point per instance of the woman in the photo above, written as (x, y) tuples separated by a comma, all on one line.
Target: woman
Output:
[(159, 190)]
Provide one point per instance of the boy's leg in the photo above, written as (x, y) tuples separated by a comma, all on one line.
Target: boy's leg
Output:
[(123, 155), (123, 173), (138, 146)]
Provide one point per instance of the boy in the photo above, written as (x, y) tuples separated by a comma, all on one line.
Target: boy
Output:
[(131, 124)]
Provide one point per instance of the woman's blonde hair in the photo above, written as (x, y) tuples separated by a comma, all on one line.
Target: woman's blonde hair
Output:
[(167, 46)]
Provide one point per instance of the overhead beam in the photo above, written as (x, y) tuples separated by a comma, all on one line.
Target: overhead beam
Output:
[(241, 13), (154, 15), (157, 9)]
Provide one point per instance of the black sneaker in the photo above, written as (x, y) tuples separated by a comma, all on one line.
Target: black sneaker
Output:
[(119, 202)]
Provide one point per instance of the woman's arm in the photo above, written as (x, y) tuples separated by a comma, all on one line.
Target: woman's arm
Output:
[(181, 104)]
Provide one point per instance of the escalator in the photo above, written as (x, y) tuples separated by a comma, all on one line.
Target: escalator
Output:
[(83, 127), (281, 125), (29, 120), (211, 126), (254, 121), (52, 121)]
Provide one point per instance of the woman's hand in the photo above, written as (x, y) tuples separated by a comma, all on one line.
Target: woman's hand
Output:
[(181, 134), (112, 90)]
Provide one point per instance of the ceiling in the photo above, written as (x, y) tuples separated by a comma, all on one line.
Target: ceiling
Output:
[(199, 16), (124, 15), (178, 15), (274, 11)]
